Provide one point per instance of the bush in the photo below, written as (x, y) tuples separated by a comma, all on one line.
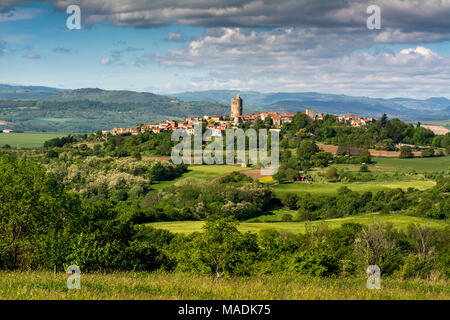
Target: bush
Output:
[(417, 267), (287, 217), (331, 174), (406, 153), (364, 168)]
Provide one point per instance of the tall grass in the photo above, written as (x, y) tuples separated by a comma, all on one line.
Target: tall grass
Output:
[(175, 286)]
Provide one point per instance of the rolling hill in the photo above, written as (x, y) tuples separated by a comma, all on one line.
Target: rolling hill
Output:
[(85, 110), (403, 108)]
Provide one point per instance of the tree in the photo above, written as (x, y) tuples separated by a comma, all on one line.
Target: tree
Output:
[(365, 156), (331, 174), (405, 152), (321, 159), (307, 149), (220, 250), (34, 214)]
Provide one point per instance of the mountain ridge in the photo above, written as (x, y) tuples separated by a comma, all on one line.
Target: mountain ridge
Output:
[(407, 109)]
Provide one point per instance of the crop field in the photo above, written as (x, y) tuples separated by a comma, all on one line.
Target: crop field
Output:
[(444, 123), (400, 221), (28, 139), (204, 172), (178, 286), (331, 188), (417, 164)]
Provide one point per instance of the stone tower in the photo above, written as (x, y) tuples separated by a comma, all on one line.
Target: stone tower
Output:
[(236, 106), (310, 113)]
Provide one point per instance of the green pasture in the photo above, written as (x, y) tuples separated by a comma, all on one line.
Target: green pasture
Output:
[(203, 172), (400, 221), (444, 123), (417, 164), (28, 139), (331, 188)]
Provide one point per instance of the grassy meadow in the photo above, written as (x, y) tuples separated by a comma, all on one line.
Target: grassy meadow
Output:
[(417, 164), (28, 139), (331, 188), (176, 286), (399, 221), (204, 172)]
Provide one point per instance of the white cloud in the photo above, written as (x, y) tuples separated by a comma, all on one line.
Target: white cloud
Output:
[(105, 61), (295, 59)]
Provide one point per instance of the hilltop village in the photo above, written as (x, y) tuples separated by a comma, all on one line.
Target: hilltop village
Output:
[(218, 123)]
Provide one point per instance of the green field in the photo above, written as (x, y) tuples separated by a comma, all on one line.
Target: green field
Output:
[(331, 188), (417, 164), (178, 286), (28, 139), (202, 173), (400, 221), (444, 123)]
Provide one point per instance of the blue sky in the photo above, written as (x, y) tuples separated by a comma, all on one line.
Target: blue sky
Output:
[(172, 46)]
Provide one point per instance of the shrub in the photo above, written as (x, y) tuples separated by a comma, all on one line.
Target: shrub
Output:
[(364, 168), (405, 153)]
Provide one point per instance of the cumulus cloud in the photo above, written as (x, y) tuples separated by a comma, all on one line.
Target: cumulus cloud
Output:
[(298, 59), (431, 15)]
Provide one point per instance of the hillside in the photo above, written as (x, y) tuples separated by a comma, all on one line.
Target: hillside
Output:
[(120, 96), (403, 108), (26, 92), (89, 110), (85, 110)]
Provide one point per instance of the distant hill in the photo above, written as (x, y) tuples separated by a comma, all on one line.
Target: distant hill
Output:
[(403, 108), (110, 96), (26, 92), (89, 110)]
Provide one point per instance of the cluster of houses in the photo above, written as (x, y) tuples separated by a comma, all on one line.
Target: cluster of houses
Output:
[(356, 121), (218, 124)]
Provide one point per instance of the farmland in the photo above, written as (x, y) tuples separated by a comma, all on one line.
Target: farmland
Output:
[(400, 221), (331, 188), (28, 139)]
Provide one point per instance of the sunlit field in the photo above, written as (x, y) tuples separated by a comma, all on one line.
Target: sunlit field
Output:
[(28, 139), (331, 188), (177, 286), (399, 221)]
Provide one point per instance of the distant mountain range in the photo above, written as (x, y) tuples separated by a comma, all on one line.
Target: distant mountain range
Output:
[(403, 108), (26, 92), (42, 108), (89, 110)]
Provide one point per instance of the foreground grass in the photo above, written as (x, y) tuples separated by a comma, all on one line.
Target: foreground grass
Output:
[(399, 221), (176, 286)]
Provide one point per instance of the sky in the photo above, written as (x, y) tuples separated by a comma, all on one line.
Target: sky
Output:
[(169, 46)]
